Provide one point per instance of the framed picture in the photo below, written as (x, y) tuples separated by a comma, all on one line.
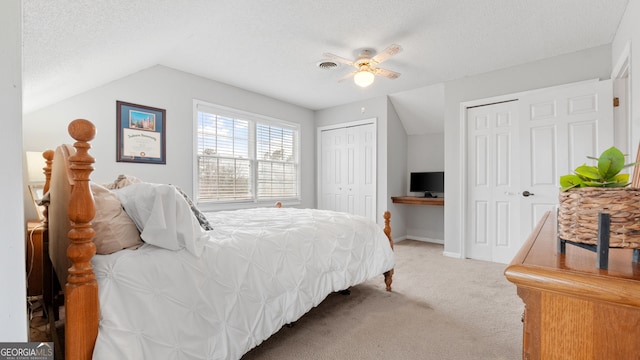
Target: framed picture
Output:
[(36, 195), (141, 134)]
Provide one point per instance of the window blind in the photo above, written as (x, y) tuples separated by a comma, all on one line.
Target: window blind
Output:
[(277, 170), (241, 157)]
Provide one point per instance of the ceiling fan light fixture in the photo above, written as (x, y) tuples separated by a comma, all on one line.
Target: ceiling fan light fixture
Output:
[(363, 78), (367, 66)]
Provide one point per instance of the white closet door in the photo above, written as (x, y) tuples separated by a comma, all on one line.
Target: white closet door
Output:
[(348, 170), (516, 153), (333, 170), (361, 185), (493, 181), (559, 129)]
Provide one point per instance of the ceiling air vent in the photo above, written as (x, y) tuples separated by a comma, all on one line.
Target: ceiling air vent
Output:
[(327, 65)]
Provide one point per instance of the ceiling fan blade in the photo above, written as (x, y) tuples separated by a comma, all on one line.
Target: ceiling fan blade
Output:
[(386, 53), (386, 73), (339, 59), (349, 75)]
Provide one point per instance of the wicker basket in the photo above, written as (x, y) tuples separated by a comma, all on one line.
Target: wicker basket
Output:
[(578, 215)]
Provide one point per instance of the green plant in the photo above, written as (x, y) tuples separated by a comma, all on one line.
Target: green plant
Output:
[(606, 174)]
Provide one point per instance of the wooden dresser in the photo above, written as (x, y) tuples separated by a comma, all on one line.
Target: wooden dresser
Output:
[(573, 310)]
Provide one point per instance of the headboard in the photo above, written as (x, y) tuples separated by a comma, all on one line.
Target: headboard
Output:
[(70, 235), (59, 226)]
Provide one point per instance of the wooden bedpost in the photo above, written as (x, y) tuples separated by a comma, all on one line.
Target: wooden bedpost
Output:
[(49, 285), (48, 157), (81, 289), (47, 291), (388, 276)]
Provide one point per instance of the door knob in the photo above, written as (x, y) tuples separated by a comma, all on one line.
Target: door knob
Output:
[(527, 193)]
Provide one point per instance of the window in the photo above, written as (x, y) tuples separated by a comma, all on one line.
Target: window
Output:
[(245, 157)]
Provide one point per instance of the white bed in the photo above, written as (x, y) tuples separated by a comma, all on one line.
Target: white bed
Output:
[(260, 269), (187, 292)]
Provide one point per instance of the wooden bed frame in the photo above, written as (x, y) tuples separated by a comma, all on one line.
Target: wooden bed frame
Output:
[(81, 288)]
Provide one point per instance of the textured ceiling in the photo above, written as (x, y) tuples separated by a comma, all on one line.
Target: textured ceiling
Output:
[(272, 47)]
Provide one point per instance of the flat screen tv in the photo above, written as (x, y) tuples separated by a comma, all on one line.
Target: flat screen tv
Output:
[(427, 183)]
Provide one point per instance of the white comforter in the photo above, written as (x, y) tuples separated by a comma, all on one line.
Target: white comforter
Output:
[(260, 269)]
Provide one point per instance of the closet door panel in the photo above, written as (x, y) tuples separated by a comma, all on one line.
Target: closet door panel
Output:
[(348, 170)]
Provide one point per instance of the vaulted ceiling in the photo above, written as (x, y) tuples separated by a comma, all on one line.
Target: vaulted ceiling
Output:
[(273, 47)]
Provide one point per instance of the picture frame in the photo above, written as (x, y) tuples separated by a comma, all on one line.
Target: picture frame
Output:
[(37, 193), (141, 133)]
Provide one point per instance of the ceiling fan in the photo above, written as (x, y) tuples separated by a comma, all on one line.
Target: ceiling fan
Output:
[(366, 65)]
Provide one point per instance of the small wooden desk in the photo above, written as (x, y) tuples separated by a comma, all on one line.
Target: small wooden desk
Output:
[(573, 310), (414, 200)]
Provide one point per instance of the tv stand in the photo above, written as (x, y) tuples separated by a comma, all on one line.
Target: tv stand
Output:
[(429, 195)]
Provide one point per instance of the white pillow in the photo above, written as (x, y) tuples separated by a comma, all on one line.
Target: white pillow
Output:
[(163, 217), (114, 230)]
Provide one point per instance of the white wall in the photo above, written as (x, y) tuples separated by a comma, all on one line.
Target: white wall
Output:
[(396, 171), (583, 65), (628, 34), (13, 311), (174, 91), (389, 134), (425, 153)]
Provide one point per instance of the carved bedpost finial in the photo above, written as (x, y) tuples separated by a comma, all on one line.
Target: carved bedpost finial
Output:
[(82, 130), (81, 290), (81, 205), (48, 156), (387, 226), (388, 276)]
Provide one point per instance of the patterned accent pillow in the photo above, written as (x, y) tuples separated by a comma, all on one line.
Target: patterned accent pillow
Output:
[(202, 219), (122, 181)]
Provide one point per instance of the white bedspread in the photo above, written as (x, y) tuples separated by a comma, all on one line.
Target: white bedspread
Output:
[(260, 269)]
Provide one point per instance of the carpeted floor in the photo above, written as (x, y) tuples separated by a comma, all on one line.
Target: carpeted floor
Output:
[(40, 328), (39, 325), (440, 308)]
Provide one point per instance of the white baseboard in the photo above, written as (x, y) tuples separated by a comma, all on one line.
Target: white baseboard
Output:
[(425, 239), (435, 241), (452, 254), (399, 238)]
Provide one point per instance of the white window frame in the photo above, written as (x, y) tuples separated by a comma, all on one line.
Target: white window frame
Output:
[(199, 105)]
